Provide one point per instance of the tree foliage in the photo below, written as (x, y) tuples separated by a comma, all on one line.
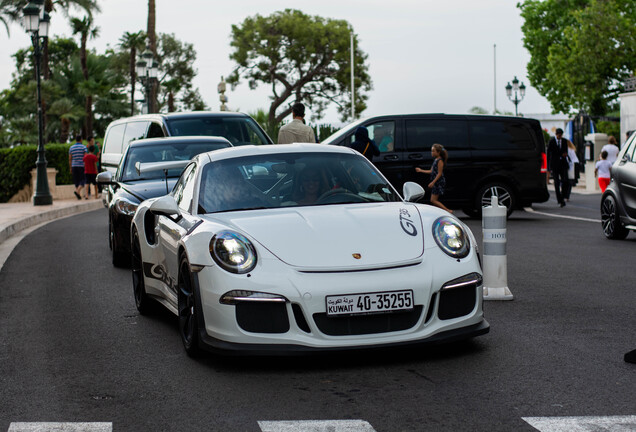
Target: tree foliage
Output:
[(303, 58), (581, 51)]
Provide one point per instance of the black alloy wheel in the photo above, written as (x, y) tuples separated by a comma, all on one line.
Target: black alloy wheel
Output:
[(142, 300), (503, 192), (188, 324), (611, 221)]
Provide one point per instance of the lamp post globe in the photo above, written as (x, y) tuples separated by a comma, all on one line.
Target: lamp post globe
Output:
[(516, 92), (36, 21)]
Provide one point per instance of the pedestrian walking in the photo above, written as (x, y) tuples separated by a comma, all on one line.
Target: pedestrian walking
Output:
[(603, 169), (558, 164), (296, 130), (76, 165), (612, 149), (90, 171), (437, 182), (573, 161), (364, 145)]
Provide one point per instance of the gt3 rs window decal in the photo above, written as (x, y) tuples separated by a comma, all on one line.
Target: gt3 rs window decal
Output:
[(156, 271), (406, 222)]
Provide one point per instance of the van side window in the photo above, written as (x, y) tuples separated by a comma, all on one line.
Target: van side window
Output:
[(383, 133), (114, 139), (504, 135), (134, 131), (155, 131), (421, 134)]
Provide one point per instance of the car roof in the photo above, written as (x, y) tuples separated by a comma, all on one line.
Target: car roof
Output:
[(179, 115), (252, 150), (180, 140)]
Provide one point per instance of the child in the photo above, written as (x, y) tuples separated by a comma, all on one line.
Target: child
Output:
[(603, 171), (90, 171), (437, 180)]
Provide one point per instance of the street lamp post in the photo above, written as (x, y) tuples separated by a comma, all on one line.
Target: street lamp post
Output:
[(36, 21), (519, 92), (147, 70)]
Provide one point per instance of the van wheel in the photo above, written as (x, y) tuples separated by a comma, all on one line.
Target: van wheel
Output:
[(502, 191)]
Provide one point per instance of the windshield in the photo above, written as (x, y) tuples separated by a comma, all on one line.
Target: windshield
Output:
[(291, 180), (237, 130), (161, 153)]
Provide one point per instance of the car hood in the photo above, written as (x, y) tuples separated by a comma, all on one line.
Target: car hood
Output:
[(146, 189), (336, 237)]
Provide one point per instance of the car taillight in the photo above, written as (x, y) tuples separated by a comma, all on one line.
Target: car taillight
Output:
[(544, 163)]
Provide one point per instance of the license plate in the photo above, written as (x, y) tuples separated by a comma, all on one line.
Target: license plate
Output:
[(388, 301)]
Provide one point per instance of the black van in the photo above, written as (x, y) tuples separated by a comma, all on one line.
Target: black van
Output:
[(487, 155)]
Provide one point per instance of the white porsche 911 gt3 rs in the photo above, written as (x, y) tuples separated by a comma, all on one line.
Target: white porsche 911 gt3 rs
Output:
[(303, 247)]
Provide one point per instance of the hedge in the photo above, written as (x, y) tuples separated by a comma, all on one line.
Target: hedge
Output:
[(16, 165)]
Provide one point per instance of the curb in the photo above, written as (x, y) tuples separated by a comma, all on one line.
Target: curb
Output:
[(46, 216)]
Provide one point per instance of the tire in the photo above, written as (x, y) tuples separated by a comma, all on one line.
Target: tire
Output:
[(121, 259), (610, 219), (504, 193), (142, 301), (188, 311)]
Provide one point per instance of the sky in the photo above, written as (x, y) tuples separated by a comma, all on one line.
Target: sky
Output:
[(424, 56)]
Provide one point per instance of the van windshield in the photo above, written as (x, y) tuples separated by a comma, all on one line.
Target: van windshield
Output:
[(333, 138), (237, 130)]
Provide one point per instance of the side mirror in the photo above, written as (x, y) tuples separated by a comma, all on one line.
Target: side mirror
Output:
[(412, 191), (105, 177), (165, 206)]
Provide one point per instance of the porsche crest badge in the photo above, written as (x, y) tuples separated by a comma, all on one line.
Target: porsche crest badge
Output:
[(356, 255)]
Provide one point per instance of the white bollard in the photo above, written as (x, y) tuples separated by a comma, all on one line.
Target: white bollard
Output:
[(495, 261)]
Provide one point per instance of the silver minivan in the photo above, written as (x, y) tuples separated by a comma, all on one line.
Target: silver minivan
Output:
[(238, 128)]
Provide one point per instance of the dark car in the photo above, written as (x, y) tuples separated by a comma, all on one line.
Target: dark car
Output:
[(128, 187), (618, 202), (487, 155)]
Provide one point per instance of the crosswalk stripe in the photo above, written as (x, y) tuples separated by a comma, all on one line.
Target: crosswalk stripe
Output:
[(316, 426), (583, 424), (60, 427)]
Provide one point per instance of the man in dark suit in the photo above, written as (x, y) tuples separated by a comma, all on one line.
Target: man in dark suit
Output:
[(558, 164)]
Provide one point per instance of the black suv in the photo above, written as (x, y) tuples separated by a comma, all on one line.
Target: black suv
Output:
[(618, 202), (487, 155)]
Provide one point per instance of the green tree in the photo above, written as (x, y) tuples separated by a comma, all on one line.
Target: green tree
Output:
[(303, 58), (133, 42), (176, 72), (581, 50), (9, 12)]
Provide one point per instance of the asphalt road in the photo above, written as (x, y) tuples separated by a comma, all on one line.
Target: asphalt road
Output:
[(74, 349)]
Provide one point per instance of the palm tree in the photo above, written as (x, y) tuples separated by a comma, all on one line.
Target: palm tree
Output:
[(152, 44), (84, 27), (132, 42), (10, 11), (67, 112)]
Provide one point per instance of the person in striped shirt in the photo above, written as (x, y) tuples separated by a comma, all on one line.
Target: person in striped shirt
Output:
[(76, 163)]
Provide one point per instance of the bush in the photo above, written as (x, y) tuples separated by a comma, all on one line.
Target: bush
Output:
[(16, 165)]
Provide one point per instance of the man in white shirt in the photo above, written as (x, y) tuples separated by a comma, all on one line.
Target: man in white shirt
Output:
[(296, 130)]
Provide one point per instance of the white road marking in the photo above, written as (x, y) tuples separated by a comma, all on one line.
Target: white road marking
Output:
[(60, 427), (530, 210), (316, 426), (583, 424)]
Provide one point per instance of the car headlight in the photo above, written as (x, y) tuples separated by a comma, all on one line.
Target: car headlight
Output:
[(125, 206), (233, 252), (450, 237)]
